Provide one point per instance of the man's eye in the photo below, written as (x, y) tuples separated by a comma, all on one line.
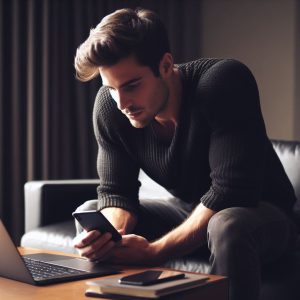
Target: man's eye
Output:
[(131, 87)]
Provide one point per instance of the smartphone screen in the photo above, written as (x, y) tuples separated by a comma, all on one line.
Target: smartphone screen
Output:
[(151, 277), (94, 219)]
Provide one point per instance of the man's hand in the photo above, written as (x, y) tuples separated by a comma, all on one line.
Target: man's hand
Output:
[(94, 245), (97, 246), (135, 249)]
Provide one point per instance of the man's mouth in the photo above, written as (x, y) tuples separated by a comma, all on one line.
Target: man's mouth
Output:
[(134, 114)]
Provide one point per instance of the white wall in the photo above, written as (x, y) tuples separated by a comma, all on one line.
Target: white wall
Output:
[(262, 34)]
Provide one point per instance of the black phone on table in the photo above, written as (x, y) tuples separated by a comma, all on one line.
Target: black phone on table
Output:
[(94, 220), (151, 277)]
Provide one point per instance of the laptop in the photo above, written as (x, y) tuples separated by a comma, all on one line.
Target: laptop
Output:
[(44, 268)]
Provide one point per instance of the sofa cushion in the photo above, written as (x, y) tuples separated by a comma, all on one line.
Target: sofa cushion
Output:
[(57, 236)]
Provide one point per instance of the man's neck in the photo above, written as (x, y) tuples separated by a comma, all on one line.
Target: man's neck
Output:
[(165, 124), (170, 114)]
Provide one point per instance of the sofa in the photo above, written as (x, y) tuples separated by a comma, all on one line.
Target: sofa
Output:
[(49, 223)]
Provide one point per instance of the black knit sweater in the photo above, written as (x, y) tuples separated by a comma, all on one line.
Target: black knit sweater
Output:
[(220, 154)]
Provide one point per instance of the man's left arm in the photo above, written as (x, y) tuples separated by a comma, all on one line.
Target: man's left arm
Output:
[(185, 238)]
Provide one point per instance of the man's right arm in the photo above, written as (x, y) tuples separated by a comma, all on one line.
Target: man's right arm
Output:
[(118, 173)]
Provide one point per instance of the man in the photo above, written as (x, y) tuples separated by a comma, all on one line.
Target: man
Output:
[(197, 130)]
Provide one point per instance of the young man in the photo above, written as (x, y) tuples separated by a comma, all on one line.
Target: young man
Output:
[(197, 130)]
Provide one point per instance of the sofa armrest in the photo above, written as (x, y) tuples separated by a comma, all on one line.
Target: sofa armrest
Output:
[(51, 201), (289, 155)]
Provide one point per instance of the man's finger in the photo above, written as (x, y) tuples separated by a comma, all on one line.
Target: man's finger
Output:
[(103, 253), (86, 238), (96, 245)]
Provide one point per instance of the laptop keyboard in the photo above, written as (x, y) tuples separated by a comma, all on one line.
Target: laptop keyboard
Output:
[(42, 270)]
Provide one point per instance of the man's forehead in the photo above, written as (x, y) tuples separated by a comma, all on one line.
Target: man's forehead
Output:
[(119, 80), (122, 73)]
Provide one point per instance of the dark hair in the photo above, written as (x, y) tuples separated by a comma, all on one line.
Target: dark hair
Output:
[(123, 33)]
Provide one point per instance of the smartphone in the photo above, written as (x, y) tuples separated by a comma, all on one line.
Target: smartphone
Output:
[(94, 219), (151, 277)]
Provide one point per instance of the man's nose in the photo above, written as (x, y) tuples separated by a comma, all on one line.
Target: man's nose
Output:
[(122, 101)]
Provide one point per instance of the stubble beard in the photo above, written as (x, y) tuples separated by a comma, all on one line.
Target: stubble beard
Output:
[(150, 118), (140, 124)]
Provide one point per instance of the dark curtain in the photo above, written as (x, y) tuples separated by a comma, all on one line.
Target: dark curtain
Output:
[(45, 114)]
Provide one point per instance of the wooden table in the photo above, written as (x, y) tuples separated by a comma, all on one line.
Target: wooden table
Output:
[(216, 288)]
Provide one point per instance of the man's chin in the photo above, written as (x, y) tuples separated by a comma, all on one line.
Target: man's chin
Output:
[(138, 124)]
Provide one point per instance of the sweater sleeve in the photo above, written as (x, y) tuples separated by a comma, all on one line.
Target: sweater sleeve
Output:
[(238, 142), (117, 170)]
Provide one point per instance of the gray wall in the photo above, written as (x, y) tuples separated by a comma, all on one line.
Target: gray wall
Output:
[(263, 35)]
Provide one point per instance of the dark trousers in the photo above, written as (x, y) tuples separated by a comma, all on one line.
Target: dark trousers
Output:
[(240, 240)]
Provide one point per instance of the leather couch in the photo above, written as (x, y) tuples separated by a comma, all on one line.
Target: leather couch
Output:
[(49, 223)]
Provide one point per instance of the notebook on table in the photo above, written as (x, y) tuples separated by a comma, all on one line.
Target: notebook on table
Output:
[(111, 288), (44, 268)]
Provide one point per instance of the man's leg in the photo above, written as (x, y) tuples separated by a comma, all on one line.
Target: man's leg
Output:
[(242, 239)]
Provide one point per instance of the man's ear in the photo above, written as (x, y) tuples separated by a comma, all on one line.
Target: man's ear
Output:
[(166, 65)]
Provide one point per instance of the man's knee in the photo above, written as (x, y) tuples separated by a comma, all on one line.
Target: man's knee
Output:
[(226, 229)]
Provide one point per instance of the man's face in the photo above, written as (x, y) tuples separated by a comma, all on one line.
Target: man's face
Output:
[(139, 94)]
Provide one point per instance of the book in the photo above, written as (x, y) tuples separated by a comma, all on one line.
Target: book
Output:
[(111, 286), (90, 293)]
